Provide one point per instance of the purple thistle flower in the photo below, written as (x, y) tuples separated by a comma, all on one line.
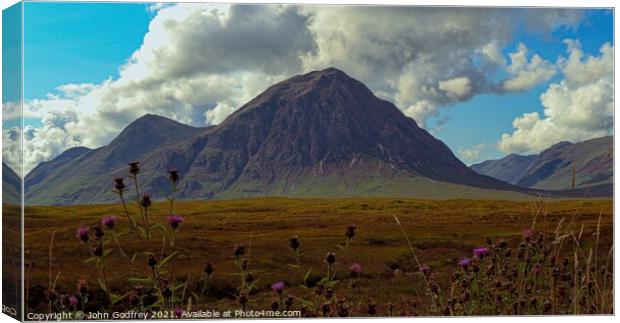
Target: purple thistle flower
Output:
[(537, 268), (425, 270), (278, 287), (464, 262), (175, 220), (109, 221), (527, 233), (481, 252), (178, 312), (354, 270), (73, 300), (82, 233)]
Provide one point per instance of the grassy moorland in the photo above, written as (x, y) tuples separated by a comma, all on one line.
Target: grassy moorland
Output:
[(390, 281)]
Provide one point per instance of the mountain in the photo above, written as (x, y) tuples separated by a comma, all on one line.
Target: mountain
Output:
[(11, 186), (509, 169), (81, 175), (552, 169), (320, 134)]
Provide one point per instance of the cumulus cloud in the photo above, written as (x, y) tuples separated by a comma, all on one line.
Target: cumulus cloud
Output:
[(200, 62), (472, 154), (577, 108), (525, 74), (456, 88)]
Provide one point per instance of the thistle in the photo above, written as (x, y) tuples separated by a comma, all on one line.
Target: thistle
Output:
[(175, 221), (354, 270), (174, 175), (109, 221), (134, 168), (82, 234)]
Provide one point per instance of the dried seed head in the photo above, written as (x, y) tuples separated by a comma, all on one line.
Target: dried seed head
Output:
[(166, 293), (329, 293), (249, 278), (275, 305)]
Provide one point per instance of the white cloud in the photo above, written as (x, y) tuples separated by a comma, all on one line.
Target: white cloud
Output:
[(577, 108), (525, 74), (456, 88), (200, 62), (471, 154)]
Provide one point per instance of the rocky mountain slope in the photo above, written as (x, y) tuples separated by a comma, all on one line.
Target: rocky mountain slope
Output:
[(552, 169), (319, 134)]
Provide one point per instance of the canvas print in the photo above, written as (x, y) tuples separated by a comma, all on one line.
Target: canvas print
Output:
[(213, 161)]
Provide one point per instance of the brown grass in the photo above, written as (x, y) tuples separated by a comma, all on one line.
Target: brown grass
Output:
[(440, 232)]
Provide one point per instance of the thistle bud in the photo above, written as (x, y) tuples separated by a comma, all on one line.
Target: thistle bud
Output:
[(97, 250), (239, 250), (350, 232), (372, 308), (152, 261), (98, 232), (174, 175), (294, 242), (330, 258), (134, 168), (242, 299), (208, 269), (119, 184), (146, 201)]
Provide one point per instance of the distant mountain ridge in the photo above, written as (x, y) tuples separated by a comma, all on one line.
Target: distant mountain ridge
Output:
[(82, 174), (321, 134), (11, 186), (552, 169)]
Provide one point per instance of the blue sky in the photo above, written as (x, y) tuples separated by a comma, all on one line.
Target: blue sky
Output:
[(82, 43)]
